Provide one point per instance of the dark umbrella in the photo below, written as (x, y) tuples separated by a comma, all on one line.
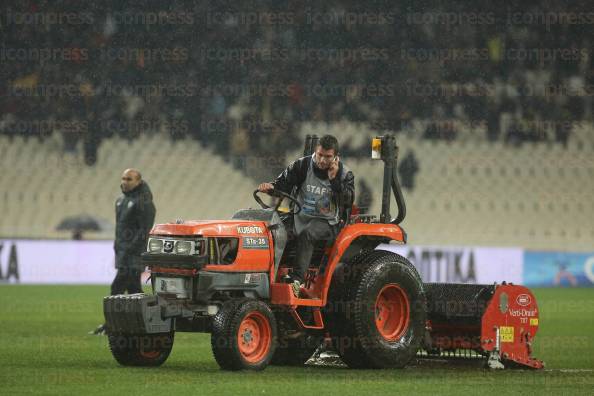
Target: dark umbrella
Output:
[(83, 222)]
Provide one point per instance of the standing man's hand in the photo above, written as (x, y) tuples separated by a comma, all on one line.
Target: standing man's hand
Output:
[(333, 168), (265, 187)]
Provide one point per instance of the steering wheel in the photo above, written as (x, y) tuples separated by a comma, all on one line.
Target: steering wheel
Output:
[(278, 194)]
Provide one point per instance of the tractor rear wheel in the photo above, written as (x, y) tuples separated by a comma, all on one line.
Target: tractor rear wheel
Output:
[(149, 350), (243, 335), (377, 311)]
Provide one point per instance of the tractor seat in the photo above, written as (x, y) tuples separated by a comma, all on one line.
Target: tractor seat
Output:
[(275, 225)]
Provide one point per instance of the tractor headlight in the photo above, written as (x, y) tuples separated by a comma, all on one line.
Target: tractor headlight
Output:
[(155, 245), (183, 247)]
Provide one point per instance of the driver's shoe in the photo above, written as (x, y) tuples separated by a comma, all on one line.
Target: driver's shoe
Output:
[(296, 286), (100, 330)]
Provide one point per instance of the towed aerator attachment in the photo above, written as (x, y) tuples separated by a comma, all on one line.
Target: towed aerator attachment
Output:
[(497, 322)]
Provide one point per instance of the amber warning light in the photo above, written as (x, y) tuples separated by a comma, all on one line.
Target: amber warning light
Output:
[(376, 148)]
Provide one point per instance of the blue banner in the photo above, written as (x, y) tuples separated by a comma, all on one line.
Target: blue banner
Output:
[(558, 269)]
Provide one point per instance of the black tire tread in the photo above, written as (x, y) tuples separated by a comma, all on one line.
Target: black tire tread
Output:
[(224, 333), (339, 324), (347, 324)]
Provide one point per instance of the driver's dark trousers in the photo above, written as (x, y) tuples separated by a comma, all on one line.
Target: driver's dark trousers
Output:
[(316, 230)]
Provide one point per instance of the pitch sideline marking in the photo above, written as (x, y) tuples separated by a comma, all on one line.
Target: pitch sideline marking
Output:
[(571, 370)]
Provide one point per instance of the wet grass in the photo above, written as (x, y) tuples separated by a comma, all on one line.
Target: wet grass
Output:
[(45, 349)]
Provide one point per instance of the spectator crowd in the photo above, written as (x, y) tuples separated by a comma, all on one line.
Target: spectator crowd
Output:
[(241, 78)]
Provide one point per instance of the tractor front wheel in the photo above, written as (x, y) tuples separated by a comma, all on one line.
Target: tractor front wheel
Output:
[(244, 335)]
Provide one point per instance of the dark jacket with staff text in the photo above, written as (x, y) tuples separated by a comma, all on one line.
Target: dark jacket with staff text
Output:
[(343, 185)]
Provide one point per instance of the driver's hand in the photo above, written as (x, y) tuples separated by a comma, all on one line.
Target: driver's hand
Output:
[(265, 187), (333, 168)]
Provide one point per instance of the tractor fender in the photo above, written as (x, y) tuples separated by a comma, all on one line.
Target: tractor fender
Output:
[(354, 238)]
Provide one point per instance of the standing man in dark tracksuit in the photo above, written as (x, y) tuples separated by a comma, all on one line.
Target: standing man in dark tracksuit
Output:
[(135, 215), (325, 189)]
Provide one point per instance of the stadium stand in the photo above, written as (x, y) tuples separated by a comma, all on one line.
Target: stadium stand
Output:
[(536, 196), (41, 185), (499, 121)]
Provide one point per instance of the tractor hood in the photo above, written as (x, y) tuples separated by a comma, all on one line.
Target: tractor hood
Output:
[(211, 228)]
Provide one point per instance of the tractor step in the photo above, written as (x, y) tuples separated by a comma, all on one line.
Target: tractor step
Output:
[(282, 294), (318, 322)]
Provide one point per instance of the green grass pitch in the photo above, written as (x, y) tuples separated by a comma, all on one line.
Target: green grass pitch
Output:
[(45, 349)]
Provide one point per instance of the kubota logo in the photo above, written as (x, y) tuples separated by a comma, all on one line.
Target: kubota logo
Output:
[(523, 300), (249, 230)]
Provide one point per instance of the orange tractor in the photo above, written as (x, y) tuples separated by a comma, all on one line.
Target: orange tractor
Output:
[(227, 278)]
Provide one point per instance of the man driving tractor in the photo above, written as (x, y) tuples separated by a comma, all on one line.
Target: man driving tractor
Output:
[(325, 188)]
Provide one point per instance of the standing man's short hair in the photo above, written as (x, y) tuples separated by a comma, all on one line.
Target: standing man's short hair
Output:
[(329, 142)]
